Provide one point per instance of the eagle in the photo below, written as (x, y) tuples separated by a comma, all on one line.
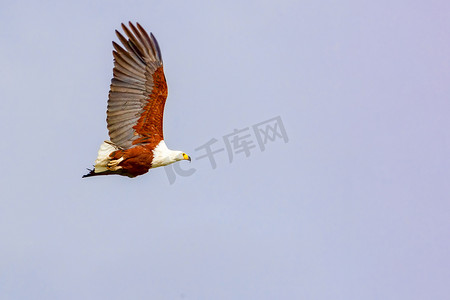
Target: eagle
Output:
[(135, 111)]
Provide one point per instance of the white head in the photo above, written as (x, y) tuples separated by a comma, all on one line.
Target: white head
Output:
[(163, 156), (179, 155)]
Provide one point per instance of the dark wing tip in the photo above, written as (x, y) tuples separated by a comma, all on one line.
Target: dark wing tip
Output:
[(158, 50), (137, 38)]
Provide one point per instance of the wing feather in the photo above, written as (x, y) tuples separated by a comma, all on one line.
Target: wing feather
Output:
[(117, 82), (127, 46), (124, 69), (118, 97), (127, 66), (144, 43), (134, 43), (138, 89), (132, 60), (129, 90), (121, 123), (125, 118), (120, 108)]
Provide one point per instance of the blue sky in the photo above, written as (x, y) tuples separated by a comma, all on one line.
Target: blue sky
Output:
[(353, 206)]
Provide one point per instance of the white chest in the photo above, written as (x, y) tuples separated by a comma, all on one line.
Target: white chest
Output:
[(162, 156)]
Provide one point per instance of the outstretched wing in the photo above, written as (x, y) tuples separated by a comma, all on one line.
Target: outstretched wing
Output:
[(138, 90)]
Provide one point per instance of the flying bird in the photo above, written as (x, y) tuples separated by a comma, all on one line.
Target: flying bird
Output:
[(135, 111)]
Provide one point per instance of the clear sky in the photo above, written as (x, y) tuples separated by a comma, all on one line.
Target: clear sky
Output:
[(352, 202)]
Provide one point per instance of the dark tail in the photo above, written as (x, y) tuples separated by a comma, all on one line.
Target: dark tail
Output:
[(118, 172), (92, 173)]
